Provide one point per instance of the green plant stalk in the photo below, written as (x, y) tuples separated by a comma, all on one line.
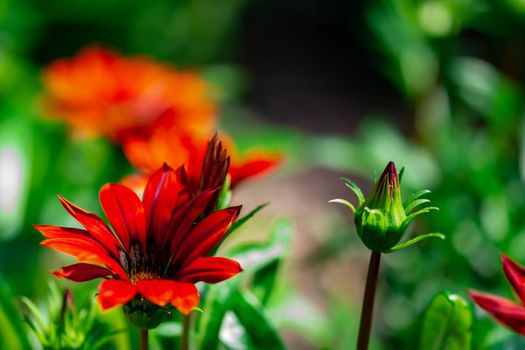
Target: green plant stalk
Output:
[(185, 336), (367, 310), (143, 339)]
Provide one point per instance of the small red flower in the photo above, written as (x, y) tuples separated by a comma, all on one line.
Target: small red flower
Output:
[(101, 93), (166, 142), (505, 311), (159, 245)]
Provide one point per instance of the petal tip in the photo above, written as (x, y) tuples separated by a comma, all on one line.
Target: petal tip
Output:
[(504, 258), (166, 167), (236, 209)]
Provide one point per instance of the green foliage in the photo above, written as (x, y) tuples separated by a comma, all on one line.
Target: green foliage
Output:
[(62, 325), (230, 309), (12, 334), (447, 324), (250, 316)]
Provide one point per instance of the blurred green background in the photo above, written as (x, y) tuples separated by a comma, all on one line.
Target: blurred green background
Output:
[(340, 87)]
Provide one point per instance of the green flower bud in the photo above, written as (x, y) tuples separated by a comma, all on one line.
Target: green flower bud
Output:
[(382, 218), (379, 219)]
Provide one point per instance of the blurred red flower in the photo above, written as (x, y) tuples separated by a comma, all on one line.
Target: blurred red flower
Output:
[(99, 92), (504, 310), (165, 142), (159, 245)]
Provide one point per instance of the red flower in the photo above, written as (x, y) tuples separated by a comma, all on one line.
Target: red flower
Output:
[(155, 251), (166, 142), (99, 92), (504, 310)]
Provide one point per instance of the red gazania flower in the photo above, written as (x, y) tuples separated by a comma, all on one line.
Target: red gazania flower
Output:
[(99, 92), (166, 142), (505, 311), (158, 248)]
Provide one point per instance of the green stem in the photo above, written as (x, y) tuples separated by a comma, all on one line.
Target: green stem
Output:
[(185, 336), (143, 339), (368, 301)]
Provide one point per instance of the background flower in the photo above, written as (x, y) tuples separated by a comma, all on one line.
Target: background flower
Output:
[(99, 92), (167, 142)]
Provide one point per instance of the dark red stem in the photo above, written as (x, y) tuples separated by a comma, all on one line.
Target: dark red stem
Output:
[(143, 339), (367, 310)]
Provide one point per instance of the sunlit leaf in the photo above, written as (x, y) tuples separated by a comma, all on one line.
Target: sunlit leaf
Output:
[(265, 278), (447, 324), (251, 316)]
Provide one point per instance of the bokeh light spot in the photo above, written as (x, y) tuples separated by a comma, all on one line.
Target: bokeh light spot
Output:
[(11, 175)]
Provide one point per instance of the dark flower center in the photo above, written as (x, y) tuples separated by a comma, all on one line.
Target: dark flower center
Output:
[(140, 266), (143, 276)]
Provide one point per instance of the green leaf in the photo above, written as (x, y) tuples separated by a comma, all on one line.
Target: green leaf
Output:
[(238, 224), (225, 195), (265, 278), (260, 262), (447, 324), (415, 240), (218, 302), (255, 256), (400, 174), (35, 313), (353, 186), (12, 334), (412, 216), (413, 197), (259, 330), (416, 203), (247, 217)]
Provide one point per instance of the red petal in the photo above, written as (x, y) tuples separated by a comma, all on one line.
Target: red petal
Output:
[(113, 293), (184, 218), (206, 235), (160, 198), (184, 296), (80, 244), (503, 310), (125, 212), (82, 272), (209, 270), (57, 233), (256, 163), (515, 274), (50, 231), (159, 292), (93, 224), (85, 251)]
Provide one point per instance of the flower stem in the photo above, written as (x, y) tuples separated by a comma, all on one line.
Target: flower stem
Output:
[(185, 336), (143, 339), (368, 301)]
